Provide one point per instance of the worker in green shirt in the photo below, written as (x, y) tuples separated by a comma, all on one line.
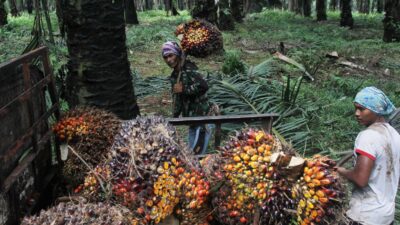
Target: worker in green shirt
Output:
[(189, 92)]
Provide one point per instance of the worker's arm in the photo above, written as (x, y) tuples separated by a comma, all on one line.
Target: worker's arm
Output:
[(177, 99), (359, 175), (198, 85)]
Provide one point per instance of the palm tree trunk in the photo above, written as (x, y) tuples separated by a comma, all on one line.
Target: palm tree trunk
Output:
[(148, 5), (374, 3), (274, 4), (167, 5), (367, 5), (359, 5), (253, 6), (140, 5), (181, 5), (130, 12), (205, 9), (237, 10), (99, 72), (391, 22), (379, 6), (191, 4), (29, 6), (333, 5), (13, 8), (321, 10), (307, 8), (299, 6), (225, 19), (346, 17), (364, 6), (292, 5), (174, 10), (3, 13), (45, 9)]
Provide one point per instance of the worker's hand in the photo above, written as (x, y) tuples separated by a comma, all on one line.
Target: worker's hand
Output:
[(178, 88), (339, 169)]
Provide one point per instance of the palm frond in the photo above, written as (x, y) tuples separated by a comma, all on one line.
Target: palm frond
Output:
[(239, 94), (294, 63), (149, 85), (264, 69)]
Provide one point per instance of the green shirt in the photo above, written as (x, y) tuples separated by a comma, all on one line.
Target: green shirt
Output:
[(193, 100)]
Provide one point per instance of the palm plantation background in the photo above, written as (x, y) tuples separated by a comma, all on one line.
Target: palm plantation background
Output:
[(101, 57)]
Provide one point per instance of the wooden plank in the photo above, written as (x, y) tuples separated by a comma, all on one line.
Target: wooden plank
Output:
[(266, 119), (23, 58), (221, 119)]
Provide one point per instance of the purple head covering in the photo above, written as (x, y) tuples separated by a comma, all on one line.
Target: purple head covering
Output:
[(171, 47)]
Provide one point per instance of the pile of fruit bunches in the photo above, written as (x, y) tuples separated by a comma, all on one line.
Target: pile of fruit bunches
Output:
[(90, 133), (318, 192), (147, 173), (86, 125), (199, 38), (259, 182)]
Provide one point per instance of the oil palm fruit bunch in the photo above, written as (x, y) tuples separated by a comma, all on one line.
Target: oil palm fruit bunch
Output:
[(212, 168), (94, 182), (195, 189), (180, 29), (249, 174), (145, 148), (145, 172), (83, 124), (90, 132), (284, 167), (274, 209), (81, 213), (231, 207), (199, 38), (71, 128), (318, 191), (193, 207)]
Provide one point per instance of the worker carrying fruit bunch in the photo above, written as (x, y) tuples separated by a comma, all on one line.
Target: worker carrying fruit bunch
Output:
[(377, 153), (189, 94)]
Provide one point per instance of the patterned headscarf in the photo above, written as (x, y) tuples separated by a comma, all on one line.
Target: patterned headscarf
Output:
[(375, 100), (171, 47)]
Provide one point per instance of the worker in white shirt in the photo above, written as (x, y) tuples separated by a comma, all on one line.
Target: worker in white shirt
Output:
[(377, 155)]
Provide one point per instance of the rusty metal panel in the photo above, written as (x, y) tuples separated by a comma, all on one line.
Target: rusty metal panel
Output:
[(26, 140), (14, 123)]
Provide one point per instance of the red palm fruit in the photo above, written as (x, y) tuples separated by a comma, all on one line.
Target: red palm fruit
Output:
[(243, 219), (234, 213)]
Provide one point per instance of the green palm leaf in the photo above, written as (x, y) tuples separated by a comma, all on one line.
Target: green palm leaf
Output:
[(240, 94)]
